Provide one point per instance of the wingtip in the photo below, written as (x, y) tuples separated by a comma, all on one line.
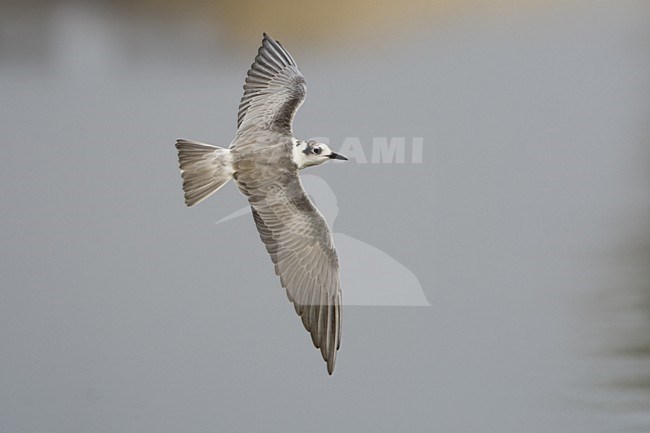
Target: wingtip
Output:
[(182, 141), (270, 40), (331, 362)]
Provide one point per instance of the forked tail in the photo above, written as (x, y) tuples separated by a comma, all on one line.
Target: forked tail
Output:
[(204, 169)]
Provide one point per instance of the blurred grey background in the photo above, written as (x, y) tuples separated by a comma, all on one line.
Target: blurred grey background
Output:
[(526, 224)]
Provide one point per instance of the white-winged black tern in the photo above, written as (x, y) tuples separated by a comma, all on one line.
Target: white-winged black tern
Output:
[(264, 159)]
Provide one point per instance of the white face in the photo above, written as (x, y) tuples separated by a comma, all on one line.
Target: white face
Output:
[(307, 153)]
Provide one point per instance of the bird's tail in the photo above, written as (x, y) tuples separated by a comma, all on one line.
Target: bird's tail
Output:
[(204, 169)]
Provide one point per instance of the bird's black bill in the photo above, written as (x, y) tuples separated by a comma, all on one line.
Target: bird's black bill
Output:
[(337, 156)]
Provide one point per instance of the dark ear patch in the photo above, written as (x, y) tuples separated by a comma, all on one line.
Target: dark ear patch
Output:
[(307, 150)]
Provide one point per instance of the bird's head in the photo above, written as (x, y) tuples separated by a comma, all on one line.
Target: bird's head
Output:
[(311, 152)]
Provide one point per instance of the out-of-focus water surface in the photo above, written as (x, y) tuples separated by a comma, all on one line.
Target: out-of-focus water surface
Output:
[(526, 224)]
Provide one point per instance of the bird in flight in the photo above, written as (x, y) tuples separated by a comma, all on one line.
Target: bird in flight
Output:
[(263, 160)]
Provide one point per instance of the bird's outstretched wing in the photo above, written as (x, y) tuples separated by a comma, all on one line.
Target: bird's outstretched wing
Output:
[(273, 91), (301, 247)]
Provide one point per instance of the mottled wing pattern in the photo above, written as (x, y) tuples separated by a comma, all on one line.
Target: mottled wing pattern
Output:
[(301, 247), (273, 91)]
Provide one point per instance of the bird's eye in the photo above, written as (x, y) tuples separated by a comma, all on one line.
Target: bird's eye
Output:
[(317, 150)]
